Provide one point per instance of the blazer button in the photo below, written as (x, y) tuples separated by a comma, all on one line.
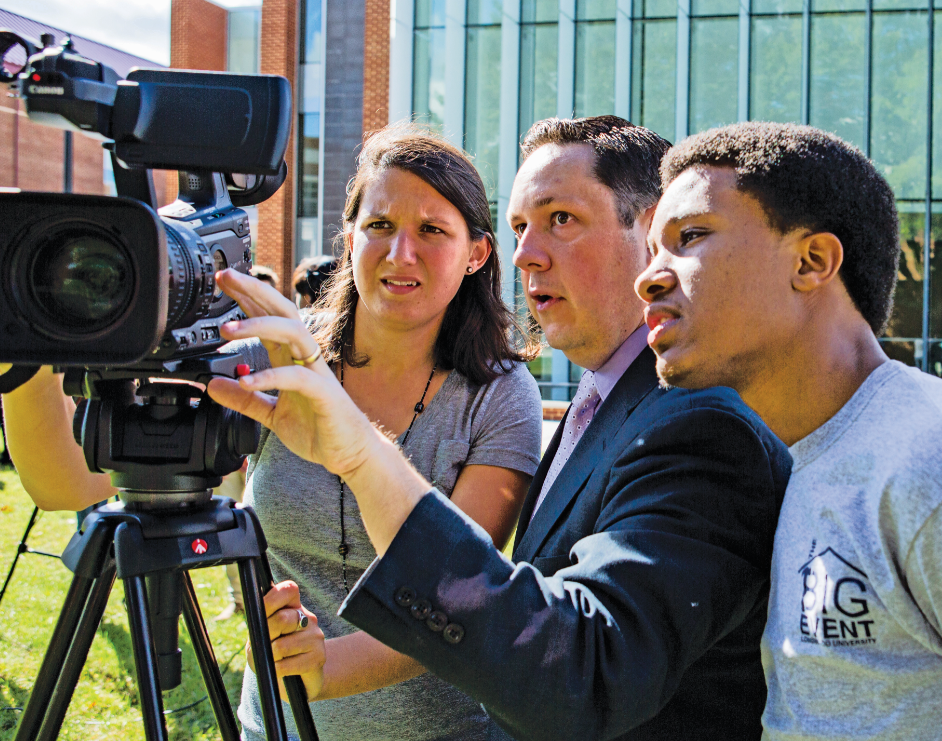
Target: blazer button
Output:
[(405, 596), (437, 621), (421, 609), (454, 633)]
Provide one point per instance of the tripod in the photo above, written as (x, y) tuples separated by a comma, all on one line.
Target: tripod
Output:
[(164, 445), (152, 554)]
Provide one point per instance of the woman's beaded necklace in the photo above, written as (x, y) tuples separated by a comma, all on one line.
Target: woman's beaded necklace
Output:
[(343, 548)]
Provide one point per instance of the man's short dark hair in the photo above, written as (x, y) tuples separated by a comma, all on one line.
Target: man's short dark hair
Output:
[(627, 157), (806, 178)]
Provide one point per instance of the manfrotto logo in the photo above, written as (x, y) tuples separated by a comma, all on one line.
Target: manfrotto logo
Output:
[(45, 90), (835, 611)]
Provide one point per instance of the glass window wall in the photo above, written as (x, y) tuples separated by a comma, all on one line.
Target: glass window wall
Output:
[(857, 69), (654, 76), (428, 71), (482, 89), (714, 72)]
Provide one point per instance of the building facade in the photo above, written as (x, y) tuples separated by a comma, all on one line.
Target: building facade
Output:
[(482, 71), (868, 70)]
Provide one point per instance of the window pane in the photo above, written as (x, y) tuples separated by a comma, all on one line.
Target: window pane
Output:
[(828, 5), (482, 88), (935, 358), (660, 8), (775, 87), (777, 6), (838, 75), (538, 70), (899, 4), (242, 51), (539, 10), (937, 112), (714, 7), (312, 32), (309, 157), (714, 72), (904, 352), (484, 11), (595, 71), (906, 320), (655, 76), (429, 13), (898, 138), (595, 10), (935, 281), (428, 88)]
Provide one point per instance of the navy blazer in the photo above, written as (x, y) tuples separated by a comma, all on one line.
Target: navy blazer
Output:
[(637, 596)]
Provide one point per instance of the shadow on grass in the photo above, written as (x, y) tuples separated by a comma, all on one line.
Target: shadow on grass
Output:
[(12, 695)]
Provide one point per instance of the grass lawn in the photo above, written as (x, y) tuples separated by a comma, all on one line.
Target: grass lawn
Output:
[(105, 706)]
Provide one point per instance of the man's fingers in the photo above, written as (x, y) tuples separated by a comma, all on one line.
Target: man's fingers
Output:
[(261, 295), (272, 329), (260, 407), (288, 378)]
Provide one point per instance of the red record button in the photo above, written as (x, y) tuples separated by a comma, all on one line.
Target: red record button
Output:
[(199, 546), (36, 77), (242, 369)]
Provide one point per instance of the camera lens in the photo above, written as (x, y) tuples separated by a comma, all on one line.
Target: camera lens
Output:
[(81, 279)]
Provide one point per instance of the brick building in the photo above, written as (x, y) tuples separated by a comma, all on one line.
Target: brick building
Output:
[(32, 157), (336, 56)]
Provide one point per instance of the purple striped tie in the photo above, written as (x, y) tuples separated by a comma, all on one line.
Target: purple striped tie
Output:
[(584, 404)]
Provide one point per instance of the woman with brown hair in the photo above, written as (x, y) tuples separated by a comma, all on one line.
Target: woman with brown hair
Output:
[(414, 329)]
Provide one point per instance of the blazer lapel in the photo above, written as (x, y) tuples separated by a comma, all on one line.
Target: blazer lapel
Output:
[(634, 385)]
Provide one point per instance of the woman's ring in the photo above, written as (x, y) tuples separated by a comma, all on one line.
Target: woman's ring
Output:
[(302, 621), (312, 358)]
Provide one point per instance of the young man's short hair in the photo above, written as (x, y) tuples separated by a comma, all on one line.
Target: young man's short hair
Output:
[(627, 157), (806, 178)]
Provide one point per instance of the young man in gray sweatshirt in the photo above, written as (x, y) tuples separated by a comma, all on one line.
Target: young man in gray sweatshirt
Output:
[(774, 254)]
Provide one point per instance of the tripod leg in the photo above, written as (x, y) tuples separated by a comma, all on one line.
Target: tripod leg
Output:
[(215, 687), (297, 694), (71, 667), (145, 659), (21, 548), (257, 623)]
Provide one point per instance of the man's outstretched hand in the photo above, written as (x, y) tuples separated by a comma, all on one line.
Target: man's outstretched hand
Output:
[(312, 414)]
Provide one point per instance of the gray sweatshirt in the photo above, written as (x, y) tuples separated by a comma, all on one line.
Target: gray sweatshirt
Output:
[(853, 645)]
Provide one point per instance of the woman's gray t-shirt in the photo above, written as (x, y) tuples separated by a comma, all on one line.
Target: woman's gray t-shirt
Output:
[(298, 504)]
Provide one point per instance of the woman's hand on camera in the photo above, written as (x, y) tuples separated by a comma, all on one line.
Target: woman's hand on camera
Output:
[(312, 415), (297, 650)]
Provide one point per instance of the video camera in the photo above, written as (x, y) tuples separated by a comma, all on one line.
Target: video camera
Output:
[(121, 295), (105, 281)]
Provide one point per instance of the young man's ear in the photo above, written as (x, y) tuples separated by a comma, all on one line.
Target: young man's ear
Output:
[(820, 256)]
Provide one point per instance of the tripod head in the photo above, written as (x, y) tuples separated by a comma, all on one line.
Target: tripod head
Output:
[(157, 433)]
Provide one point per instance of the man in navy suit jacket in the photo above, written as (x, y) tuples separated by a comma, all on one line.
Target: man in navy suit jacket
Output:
[(636, 598)]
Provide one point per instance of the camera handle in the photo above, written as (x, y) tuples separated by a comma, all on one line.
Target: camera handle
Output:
[(161, 546)]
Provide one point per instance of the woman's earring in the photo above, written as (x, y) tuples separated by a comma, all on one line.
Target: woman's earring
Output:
[(470, 270)]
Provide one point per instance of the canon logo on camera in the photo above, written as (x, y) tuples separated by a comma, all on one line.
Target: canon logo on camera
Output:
[(45, 90)]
